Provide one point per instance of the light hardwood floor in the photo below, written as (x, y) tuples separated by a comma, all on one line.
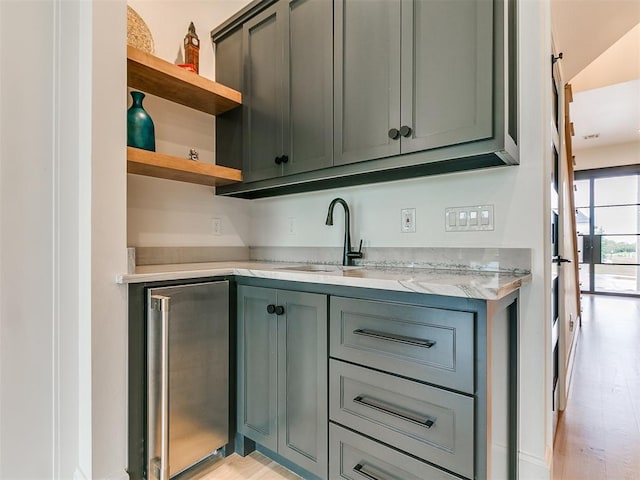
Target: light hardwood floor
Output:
[(598, 434), (254, 466)]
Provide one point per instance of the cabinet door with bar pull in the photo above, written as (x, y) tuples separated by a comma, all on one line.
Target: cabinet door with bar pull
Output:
[(354, 457), (431, 423), (432, 345)]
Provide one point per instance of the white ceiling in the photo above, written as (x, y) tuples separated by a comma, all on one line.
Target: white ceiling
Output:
[(600, 41), (613, 112)]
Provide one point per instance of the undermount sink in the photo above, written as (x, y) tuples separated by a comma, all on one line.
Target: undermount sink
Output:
[(319, 268)]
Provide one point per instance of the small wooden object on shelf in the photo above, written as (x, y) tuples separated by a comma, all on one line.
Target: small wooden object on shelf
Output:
[(192, 48), (158, 77), (153, 164)]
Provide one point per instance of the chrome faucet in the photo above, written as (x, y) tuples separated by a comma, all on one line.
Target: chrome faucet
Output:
[(347, 254)]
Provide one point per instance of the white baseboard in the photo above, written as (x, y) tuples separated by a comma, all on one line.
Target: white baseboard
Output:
[(534, 468), (79, 474), (572, 354), (499, 462), (120, 475)]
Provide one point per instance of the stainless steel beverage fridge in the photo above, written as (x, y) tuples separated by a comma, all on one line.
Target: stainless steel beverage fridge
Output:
[(187, 376)]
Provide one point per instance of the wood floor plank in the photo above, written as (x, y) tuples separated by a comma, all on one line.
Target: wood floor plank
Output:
[(252, 467), (598, 434)]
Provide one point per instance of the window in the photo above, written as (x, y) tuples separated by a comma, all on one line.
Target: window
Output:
[(608, 225)]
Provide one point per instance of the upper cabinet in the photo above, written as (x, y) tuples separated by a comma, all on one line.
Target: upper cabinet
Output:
[(265, 86), (422, 81), (163, 79), (310, 85), (351, 91), (287, 89)]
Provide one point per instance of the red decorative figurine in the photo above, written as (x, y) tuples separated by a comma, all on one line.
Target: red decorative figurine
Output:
[(192, 48)]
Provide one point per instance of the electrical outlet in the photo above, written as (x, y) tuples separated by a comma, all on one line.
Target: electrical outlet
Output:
[(216, 226), (408, 218), (292, 227)]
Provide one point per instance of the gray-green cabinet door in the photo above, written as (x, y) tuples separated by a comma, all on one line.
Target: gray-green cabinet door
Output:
[(367, 79), (265, 120), (447, 66), (303, 381), (310, 67), (257, 366)]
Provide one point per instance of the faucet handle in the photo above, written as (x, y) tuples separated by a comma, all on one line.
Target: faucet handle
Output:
[(356, 254)]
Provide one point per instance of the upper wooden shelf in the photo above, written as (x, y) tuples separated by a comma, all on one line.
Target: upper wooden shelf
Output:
[(153, 164), (159, 77)]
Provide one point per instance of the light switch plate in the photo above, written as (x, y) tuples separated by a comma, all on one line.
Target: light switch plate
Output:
[(469, 219), (408, 218), (216, 226), (292, 226)]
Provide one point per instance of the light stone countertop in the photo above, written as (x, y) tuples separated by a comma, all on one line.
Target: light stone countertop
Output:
[(455, 283)]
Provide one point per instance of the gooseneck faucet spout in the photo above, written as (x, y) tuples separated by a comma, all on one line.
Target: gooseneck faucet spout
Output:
[(347, 254)]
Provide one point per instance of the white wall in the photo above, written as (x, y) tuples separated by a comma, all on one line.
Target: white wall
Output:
[(63, 239), (375, 212), (108, 365), (520, 195), (27, 242), (608, 156), (166, 213), (72, 105)]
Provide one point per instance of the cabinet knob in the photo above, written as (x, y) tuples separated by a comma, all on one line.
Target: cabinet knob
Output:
[(405, 131), (271, 309), (284, 158), (394, 133), (279, 310), (278, 160)]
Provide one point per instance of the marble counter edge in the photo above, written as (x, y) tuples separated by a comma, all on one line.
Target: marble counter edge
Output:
[(466, 284)]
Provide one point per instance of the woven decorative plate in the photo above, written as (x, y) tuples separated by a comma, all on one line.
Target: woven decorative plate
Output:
[(138, 34)]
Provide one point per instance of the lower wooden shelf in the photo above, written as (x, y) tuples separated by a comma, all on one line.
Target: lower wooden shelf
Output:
[(153, 164)]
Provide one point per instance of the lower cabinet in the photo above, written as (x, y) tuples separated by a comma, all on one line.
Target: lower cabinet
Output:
[(356, 457), (393, 370), (428, 422), (282, 374), (386, 386)]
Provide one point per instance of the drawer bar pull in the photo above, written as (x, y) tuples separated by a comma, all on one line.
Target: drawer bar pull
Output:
[(394, 411), (420, 342), (359, 468)]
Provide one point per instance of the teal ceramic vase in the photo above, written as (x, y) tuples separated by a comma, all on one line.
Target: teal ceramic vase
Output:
[(140, 130)]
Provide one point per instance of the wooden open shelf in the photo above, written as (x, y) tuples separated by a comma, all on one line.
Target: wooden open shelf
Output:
[(156, 76), (152, 164), (159, 77)]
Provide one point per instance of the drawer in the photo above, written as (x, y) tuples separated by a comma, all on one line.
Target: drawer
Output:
[(354, 457), (428, 344), (433, 424)]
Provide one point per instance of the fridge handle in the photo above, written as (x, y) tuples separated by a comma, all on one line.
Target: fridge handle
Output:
[(161, 303)]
